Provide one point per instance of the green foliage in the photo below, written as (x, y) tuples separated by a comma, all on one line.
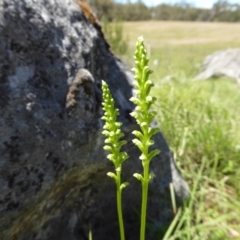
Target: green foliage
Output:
[(200, 124), (112, 129), (114, 143), (132, 11), (144, 117), (103, 8), (209, 129), (114, 35), (180, 12)]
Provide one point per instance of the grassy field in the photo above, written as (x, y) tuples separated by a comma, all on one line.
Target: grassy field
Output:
[(181, 46), (200, 120)]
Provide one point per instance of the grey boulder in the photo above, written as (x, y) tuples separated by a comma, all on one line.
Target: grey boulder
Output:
[(222, 63), (53, 181)]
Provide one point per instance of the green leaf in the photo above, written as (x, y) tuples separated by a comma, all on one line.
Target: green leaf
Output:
[(149, 99), (106, 126), (152, 131), (134, 114), (108, 140), (138, 134), (151, 176), (120, 135), (138, 108), (143, 124), (123, 156), (111, 157), (103, 117), (108, 148), (148, 86), (111, 133), (118, 124), (122, 143), (138, 176), (123, 185), (149, 142), (105, 132), (138, 144), (151, 115), (112, 175), (135, 100), (134, 69), (152, 154), (143, 157)]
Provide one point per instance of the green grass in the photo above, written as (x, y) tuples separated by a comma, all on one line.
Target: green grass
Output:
[(200, 120), (200, 125)]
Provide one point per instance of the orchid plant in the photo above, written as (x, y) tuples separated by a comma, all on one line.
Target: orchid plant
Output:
[(144, 116)]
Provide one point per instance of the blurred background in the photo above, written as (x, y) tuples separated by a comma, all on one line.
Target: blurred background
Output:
[(196, 10)]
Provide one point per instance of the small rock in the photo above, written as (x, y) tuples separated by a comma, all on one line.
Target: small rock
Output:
[(222, 63)]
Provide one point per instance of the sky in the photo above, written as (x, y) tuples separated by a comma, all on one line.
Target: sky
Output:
[(197, 3)]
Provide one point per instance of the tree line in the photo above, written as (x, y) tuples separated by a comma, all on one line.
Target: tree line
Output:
[(221, 11)]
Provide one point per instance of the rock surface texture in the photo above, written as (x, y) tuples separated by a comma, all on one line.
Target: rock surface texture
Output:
[(222, 63), (53, 181)]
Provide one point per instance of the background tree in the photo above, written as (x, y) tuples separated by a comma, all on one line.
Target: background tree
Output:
[(222, 10), (103, 8)]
